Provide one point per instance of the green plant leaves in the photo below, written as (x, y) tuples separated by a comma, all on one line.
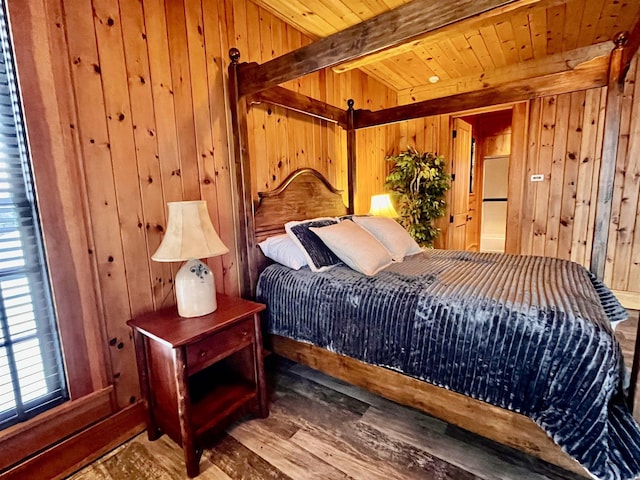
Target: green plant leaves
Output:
[(418, 182)]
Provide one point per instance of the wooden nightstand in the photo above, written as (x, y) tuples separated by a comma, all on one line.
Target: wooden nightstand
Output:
[(199, 374)]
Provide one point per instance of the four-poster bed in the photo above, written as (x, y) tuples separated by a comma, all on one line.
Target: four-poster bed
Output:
[(308, 195)]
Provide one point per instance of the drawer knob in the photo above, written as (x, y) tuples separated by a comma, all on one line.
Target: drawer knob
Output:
[(245, 333), (202, 353)]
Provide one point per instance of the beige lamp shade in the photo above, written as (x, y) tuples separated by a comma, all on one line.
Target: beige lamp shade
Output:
[(381, 206), (189, 234)]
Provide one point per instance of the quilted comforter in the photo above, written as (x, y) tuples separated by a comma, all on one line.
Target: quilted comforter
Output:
[(529, 334)]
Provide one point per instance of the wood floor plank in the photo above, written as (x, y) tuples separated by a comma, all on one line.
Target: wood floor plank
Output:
[(284, 454), (512, 457), (315, 392), (411, 430), (133, 461), (419, 462), (140, 459), (359, 393), (347, 458), (237, 461)]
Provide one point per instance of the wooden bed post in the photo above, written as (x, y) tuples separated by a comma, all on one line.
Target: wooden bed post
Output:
[(351, 156), (242, 170), (613, 110)]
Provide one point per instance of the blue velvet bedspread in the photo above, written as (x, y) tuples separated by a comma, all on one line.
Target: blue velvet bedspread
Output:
[(529, 334)]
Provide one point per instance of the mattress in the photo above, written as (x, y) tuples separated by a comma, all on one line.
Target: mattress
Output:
[(529, 334)]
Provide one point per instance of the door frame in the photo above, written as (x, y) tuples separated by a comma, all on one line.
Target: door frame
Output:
[(517, 170)]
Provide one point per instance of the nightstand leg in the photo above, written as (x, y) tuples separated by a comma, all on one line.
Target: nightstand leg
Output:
[(153, 433), (263, 409), (191, 458)]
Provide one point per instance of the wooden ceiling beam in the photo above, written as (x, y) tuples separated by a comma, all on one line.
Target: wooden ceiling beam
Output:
[(591, 75), (473, 23), (383, 31), (557, 63)]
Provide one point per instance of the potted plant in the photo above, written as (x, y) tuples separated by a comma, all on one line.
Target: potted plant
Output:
[(418, 182)]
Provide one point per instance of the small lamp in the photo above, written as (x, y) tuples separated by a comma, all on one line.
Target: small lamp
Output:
[(191, 236), (381, 206)]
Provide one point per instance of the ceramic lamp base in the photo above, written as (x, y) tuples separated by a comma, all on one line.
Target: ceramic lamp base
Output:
[(195, 290)]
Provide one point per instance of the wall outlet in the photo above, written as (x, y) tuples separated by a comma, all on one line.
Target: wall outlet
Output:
[(538, 177)]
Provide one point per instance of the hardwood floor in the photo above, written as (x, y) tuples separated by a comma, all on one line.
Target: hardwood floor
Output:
[(321, 428)]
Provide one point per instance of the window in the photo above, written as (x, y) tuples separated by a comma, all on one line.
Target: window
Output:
[(31, 370)]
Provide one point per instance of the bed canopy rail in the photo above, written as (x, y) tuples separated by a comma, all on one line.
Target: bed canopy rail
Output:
[(297, 102)]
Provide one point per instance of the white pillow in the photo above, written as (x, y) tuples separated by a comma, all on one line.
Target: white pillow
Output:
[(391, 234), (283, 250), (355, 247)]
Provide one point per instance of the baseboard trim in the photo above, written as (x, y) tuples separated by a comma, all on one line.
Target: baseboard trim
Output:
[(79, 450), (25, 439)]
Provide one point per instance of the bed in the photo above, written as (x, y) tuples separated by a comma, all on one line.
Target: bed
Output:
[(307, 194), (328, 321)]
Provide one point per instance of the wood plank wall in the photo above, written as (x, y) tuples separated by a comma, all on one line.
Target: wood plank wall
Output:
[(373, 144), (564, 145), (622, 268), (148, 82)]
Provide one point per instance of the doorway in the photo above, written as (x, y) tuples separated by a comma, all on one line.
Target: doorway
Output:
[(481, 154)]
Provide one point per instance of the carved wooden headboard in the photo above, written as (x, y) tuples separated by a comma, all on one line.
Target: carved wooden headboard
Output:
[(304, 194)]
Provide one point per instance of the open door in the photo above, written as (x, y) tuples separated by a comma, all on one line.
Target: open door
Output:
[(460, 183)]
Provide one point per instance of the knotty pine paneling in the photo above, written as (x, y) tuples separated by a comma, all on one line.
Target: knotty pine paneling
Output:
[(433, 134), (147, 84), (564, 145), (622, 268)]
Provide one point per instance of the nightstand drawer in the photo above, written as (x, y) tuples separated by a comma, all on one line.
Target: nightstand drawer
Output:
[(208, 351)]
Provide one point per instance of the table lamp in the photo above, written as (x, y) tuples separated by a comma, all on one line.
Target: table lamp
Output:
[(191, 236), (381, 206)]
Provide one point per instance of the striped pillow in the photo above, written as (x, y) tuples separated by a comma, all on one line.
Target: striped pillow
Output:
[(318, 255)]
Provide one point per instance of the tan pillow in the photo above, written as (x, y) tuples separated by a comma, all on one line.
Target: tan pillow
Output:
[(355, 247), (391, 234)]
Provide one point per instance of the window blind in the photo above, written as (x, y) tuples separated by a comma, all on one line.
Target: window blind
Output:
[(31, 369)]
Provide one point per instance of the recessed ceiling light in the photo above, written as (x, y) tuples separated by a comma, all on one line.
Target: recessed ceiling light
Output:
[(434, 79)]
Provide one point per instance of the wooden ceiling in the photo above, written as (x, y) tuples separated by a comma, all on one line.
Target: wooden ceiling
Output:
[(522, 39)]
